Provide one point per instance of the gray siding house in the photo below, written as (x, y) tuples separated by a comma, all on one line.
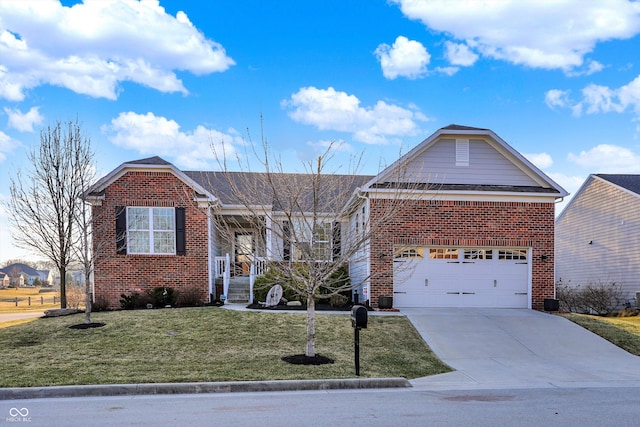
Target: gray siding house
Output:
[(598, 234)]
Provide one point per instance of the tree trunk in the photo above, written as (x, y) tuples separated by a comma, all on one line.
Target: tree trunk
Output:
[(311, 327), (87, 301), (63, 288)]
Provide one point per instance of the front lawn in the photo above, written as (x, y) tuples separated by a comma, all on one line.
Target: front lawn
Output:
[(621, 331), (204, 344)]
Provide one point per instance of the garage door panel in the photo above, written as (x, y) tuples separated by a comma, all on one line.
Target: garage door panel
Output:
[(493, 282)]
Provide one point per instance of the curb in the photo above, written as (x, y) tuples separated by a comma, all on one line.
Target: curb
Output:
[(199, 388)]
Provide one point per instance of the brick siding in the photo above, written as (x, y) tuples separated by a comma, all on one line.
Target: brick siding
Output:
[(466, 223), (124, 274)]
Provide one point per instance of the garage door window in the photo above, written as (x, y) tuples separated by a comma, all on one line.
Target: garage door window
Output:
[(409, 252), (478, 254), (443, 253), (512, 254)]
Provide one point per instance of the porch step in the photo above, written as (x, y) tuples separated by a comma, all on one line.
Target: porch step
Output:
[(238, 290)]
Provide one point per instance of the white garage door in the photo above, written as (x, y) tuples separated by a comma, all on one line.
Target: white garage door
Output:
[(461, 277)]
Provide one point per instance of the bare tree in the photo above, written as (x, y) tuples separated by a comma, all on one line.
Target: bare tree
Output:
[(45, 202), (84, 221), (311, 225)]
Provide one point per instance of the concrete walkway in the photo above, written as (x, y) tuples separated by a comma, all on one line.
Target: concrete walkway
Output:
[(518, 348), (9, 317)]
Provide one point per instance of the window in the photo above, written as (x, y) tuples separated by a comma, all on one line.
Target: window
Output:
[(143, 230), (408, 252), (512, 254), (443, 253), (308, 246), (478, 254)]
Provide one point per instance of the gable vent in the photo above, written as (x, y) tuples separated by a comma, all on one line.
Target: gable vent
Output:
[(462, 152)]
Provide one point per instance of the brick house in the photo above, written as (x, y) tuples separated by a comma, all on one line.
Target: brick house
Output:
[(476, 228)]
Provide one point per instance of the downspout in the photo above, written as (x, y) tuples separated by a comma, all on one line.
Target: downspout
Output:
[(210, 255)]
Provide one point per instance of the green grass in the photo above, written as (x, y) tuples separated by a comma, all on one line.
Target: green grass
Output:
[(204, 344), (621, 331)]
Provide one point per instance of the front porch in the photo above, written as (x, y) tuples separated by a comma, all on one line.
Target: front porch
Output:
[(237, 277)]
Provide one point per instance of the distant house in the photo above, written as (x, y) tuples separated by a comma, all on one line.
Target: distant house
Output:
[(4, 279), (21, 274), (598, 234), (478, 231), (46, 277)]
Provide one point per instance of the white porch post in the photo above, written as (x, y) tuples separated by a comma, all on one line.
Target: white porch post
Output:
[(252, 278), (226, 278), (268, 237)]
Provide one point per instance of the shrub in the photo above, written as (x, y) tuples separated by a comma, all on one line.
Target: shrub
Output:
[(594, 298), (129, 302), (274, 277), (189, 297), (163, 296), (100, 304)]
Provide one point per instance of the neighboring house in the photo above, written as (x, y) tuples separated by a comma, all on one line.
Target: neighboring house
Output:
[(4, 280), (21, 274), (479, 233), (598, 234), (46, 277)]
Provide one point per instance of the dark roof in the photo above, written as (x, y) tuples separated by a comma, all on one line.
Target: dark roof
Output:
[(238, 188), (20, 268), (629, 182), (155, 160), (461, 127)]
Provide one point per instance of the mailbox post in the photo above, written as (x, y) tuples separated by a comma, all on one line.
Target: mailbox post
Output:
[(359, 318)]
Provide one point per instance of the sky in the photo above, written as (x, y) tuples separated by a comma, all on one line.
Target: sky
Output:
[(559, 80)]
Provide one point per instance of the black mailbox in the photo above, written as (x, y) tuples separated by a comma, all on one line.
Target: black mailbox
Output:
[(359, 316)]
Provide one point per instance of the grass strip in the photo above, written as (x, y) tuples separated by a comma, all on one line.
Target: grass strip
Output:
[(623, 333)]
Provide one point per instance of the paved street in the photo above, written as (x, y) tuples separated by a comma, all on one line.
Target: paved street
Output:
[(401, 407)]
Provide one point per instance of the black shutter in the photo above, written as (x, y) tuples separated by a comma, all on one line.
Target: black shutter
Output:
[(286, 241), (181, 241), (121, 230), (336, 240)]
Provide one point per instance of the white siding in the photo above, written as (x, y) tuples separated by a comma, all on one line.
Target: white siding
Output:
[(437, 164), (609, 218)]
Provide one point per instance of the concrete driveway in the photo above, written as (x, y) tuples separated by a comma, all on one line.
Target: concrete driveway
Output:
[(519, 348)]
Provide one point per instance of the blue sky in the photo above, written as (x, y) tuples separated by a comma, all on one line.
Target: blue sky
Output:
[(558, 80)]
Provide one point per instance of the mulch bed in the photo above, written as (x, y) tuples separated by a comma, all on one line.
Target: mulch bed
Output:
[(301, 359), (87, 325), (319, 307)]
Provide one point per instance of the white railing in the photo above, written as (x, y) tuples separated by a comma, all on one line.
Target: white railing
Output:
[(258, 268), (224, 270)]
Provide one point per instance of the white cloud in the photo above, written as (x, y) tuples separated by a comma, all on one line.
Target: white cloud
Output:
[(7, 144), (459, 54), (24, 121), (550, 34), (149, 134), (600, 99), (607, 158), (541, 160), (328, 109), (405, 58), (91, 47), (557, 98)]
